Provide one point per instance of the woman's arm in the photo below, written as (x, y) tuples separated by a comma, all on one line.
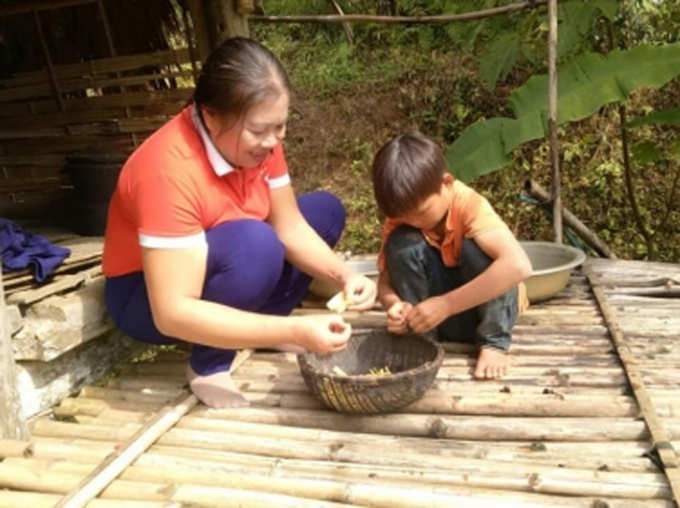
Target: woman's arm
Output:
[(174, 280), (307, 250)]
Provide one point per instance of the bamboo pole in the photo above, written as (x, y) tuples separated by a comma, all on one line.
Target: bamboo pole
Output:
[(115, 463), (658, 432), (591, 238), (18, 499), (552, 121), (496, 11), (12, 422), (347, 27), (484, 428)]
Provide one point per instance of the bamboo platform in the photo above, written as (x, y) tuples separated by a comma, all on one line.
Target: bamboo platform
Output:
[(565, 428)]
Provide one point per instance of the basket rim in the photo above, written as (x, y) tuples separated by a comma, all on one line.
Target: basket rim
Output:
[(368, 379)]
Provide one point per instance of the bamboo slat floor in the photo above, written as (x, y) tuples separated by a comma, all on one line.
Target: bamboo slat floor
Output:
[(562, 429)]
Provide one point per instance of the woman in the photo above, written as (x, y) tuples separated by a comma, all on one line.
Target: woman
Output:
[(206, 242)]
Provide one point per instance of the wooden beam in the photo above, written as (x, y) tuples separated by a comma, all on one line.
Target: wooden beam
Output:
[(48, 61), (23, 7), (660, 436), (467, 16), (12, 424)]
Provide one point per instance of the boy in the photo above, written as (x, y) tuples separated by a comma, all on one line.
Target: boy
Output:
[(449, 266)]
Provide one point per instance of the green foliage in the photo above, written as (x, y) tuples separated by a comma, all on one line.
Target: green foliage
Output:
[(585, 84), (646, 152), (499, 58), (667, 117)]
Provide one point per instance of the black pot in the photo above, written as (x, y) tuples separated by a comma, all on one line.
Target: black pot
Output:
[(94, 175)]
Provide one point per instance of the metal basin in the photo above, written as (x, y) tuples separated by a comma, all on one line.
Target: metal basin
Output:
[(552, 263)]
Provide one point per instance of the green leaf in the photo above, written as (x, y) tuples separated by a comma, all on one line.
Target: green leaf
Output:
[(585, 84), (468, 158), (608, 8), (499, 58), (666, 117), (576, 19), (646, 152)]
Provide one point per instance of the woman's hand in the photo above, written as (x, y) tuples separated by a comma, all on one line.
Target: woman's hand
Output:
[(428, 314), (323, 333), (360, 291), (396, 317)]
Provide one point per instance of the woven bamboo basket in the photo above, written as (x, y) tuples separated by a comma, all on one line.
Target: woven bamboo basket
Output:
[(413, 362)]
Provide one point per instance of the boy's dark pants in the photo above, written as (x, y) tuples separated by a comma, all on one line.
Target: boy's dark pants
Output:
[(417, 273)]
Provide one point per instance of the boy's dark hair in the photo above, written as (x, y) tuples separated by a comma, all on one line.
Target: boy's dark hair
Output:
[(238, 74), (406, 170)]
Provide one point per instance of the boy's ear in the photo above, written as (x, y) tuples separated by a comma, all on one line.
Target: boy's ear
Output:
[(447, 178)]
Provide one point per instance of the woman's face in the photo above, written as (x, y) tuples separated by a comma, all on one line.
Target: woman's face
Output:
[(246, 142)]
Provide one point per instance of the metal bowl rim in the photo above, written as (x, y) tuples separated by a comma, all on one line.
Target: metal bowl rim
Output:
[(579, 257)]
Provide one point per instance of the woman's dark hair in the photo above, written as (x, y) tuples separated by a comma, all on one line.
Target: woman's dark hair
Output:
[(406, 170), (238, 74)]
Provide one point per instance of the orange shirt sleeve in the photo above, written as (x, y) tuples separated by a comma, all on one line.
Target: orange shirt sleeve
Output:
[(277, 165)]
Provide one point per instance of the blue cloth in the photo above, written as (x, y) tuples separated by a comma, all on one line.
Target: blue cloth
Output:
[(246, 269), (22, 249)]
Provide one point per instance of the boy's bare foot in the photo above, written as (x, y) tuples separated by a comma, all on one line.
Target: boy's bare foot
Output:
[(491, 363), (216, 390)]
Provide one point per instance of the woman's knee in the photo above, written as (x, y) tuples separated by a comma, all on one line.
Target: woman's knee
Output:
[(245, 261), (325, 213)]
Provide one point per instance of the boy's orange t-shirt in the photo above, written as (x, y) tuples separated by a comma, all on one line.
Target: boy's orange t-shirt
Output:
[(470, 214)]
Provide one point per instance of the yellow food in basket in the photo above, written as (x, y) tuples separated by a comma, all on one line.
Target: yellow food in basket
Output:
[(375, 371)]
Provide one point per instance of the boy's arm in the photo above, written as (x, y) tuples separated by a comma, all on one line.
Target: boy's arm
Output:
[(386, 293), (510, 266)]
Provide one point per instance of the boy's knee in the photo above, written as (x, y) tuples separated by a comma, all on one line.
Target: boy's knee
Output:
[(403, 244)]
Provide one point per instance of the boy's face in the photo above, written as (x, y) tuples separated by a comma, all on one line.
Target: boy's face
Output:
[(433, 210)]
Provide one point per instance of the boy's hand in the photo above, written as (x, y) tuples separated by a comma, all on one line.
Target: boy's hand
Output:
[(360, 292), (396, 317), (428, 314)]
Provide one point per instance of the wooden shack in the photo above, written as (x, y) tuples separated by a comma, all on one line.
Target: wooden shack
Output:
[(82, 83)]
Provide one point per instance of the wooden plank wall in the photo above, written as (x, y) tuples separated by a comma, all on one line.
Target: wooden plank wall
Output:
[(111, 103)]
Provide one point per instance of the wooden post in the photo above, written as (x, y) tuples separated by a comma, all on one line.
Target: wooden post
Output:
[(113, 52), (48, 61), (227, 21), (200, 28), (12, 424), (552, 121)]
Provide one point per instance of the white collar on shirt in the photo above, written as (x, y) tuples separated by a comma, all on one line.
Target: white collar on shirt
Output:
[(219, 165)]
